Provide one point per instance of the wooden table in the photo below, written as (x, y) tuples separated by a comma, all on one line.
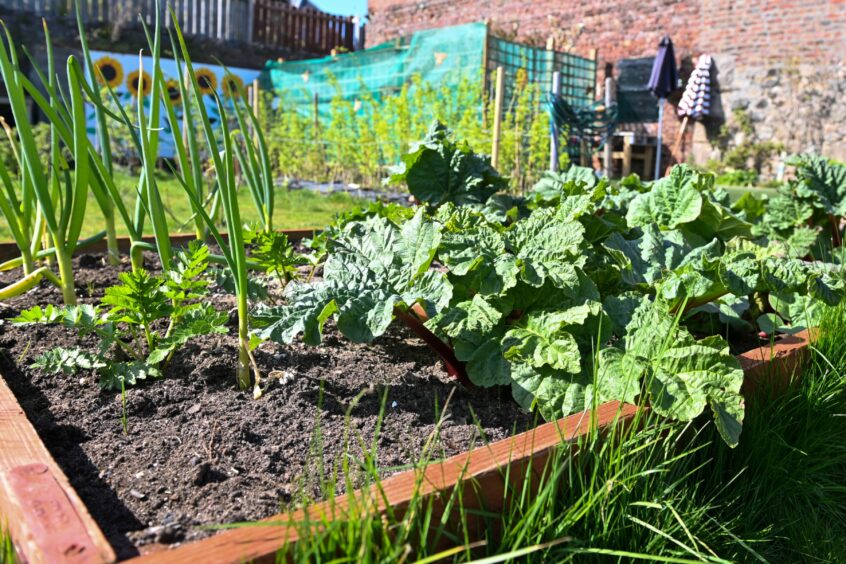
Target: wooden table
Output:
[(636, 154)]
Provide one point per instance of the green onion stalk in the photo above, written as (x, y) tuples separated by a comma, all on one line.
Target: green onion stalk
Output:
[(59, 193), (232, 248), (254, 158), (106, 203), (187, 146)]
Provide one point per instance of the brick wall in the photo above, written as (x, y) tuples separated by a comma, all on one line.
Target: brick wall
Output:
[(781, 61)]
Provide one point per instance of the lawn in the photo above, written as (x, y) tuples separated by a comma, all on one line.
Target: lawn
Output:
[(295, 209)]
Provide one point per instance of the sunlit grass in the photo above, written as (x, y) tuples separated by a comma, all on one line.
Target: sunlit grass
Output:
[(295, 209), (7, 549)]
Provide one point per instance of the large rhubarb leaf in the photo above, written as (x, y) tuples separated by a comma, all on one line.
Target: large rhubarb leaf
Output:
[(439, 170), (548, 246), (672, 201), (478, 254), (374, 267), (682, 375), (555, 187), (823, 181)]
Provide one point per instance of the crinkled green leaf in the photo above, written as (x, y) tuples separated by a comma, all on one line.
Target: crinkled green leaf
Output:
[(374, 267), (823, 180), (672, 201), (542, 340), (308, 308), (548, 246), (438, 170), (554, 187), (482, 355), (802, 311)]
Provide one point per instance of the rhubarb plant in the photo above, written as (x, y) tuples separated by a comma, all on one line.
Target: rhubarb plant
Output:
[(568, 296), (804, 217), (140, 322), (439, 169), (374, 267)]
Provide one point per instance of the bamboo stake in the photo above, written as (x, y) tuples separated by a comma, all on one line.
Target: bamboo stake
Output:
[(609, 101), (497, 124), (553, 137), (677, 144)]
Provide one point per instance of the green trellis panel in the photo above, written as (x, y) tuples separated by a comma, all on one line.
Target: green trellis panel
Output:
[(443, 56), (578, 74)]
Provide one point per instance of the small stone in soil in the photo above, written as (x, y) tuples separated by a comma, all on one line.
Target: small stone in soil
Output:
[(200, 474), (137, 495), (194, 408)]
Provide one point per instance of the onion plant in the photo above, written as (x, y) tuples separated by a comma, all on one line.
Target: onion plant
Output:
[(104, 147), (48, 196), (254, 158), (222, 155)]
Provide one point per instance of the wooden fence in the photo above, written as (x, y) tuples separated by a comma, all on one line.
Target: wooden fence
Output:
[(280, 25), (272, 23)]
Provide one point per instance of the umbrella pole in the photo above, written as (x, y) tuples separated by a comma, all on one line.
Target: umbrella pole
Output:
[(660, 131)]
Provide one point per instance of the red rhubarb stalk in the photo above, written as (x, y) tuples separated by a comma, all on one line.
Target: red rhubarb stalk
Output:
[(835, 230), (454, 367)]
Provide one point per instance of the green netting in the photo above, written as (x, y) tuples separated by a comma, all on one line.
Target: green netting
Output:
[(445, 56), (578, 74)]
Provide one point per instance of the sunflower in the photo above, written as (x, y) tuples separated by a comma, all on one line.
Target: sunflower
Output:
[(232, 85), (173, 92), (109, 72), (133, 80), (206, 80)]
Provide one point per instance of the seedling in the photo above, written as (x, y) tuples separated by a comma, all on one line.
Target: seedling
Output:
[(133, 344)]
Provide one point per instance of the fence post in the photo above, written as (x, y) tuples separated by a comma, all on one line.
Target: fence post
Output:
[(255, 99), (553, 136), (497, 124), (251, 9), (610, 92)]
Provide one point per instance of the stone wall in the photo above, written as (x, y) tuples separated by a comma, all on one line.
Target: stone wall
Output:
[(782, 62)]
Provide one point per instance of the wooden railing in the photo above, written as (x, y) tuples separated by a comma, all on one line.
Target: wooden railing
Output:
[(271, 23), (280, 25)]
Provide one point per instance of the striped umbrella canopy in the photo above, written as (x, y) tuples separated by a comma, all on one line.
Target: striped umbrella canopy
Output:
[(696, 101)]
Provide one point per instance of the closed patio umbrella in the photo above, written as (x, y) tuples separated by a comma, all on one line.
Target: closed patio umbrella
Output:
[(663, 80)]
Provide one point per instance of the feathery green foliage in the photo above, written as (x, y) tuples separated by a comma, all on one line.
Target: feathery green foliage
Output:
[(131, 348)]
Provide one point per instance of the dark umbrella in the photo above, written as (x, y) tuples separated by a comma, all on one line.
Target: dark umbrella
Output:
[(663, 80)]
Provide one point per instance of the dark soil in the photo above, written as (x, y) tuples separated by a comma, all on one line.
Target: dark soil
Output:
[(201, 452)]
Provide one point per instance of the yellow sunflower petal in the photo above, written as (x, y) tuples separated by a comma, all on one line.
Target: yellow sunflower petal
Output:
[(206, 80), (109, 71), (136, 81), (232, 85)]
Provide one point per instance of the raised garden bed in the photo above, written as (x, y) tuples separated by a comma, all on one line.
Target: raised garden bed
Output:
[(231, 454)]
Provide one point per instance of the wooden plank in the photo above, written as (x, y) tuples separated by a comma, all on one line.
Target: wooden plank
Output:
[(45, 517), (8, 249), (771, 368)]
